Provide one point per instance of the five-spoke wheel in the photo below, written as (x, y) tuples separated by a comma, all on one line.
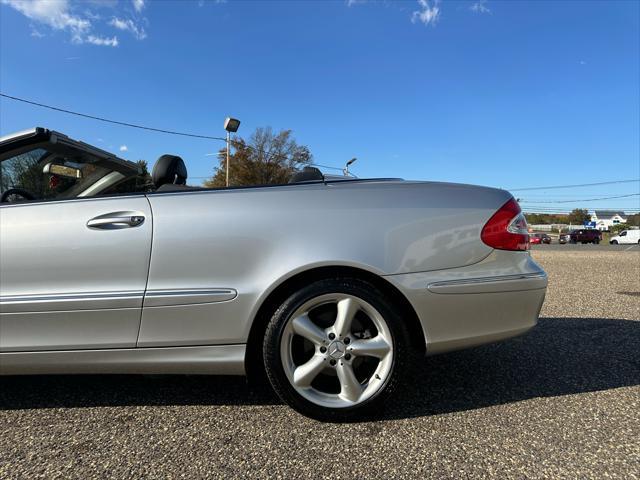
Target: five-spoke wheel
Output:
[(332, 349)]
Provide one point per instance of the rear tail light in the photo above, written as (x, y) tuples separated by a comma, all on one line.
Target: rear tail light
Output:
[(507, 229)]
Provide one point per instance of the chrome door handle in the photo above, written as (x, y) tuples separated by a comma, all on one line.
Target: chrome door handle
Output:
[(116, 220)]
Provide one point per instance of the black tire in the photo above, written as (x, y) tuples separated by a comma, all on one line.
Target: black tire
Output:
[(403, 354), (615, 242)]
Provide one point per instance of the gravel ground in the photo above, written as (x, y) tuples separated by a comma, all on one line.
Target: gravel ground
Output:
[(560, 402)]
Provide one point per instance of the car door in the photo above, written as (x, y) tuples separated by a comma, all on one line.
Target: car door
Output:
[(73, 270)]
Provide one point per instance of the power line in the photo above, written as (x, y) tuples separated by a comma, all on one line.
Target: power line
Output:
[(551, 207), (325, 166), (567, 210), (142, 127), (115, 122), (209, 137), (574, 186), (583, 199), (592, 207)]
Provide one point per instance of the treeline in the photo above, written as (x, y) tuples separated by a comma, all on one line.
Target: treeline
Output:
[(546, 218), (576, 217)]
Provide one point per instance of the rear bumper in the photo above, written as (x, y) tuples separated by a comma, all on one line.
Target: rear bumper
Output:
[(495, 299)]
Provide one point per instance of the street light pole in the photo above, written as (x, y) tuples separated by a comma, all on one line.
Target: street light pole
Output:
[(345, 170), (227, 167), (230, 125)]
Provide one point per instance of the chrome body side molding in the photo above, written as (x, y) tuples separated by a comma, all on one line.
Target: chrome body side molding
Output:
[(503, 283), (166, 298), (72, 301), (112, 300)]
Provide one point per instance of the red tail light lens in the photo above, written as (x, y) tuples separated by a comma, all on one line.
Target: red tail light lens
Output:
[(507, 229)]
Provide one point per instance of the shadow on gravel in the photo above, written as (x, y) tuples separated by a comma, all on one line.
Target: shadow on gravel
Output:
[(561, 356)]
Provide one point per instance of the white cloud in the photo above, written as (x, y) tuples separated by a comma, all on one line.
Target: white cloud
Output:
[(130, 26), (54, 14), (102, 41), (102, 3), (480, 7), (429, 12), (83, 25), (124, 148), (58, 15), (351, 3), (36, 33)]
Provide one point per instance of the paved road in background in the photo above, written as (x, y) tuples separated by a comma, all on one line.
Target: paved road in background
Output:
[(562, 401), (589, 247)]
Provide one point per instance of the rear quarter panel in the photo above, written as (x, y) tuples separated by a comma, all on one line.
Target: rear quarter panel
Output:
[(252, 239)]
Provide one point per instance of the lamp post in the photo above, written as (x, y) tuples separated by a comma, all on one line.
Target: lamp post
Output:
[(345, 170), (230, 125)]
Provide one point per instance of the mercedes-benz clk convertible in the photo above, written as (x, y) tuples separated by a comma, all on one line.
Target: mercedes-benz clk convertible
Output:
[(330, 288)]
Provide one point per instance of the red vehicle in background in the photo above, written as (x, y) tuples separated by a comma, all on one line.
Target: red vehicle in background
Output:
[(538, 238)]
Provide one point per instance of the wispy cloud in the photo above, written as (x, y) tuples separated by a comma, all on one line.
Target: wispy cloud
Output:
[(351, 3), (480, 7), (102, 41), (429, 12), (36, 33), (124, 148), (56, 15), (84, 21), (201, 3), (130, 26)]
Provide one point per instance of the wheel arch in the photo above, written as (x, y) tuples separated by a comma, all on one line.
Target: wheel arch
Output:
[(253, 357)]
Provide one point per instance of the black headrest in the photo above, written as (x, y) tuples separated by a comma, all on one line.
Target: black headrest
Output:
[(169, 169), (307, 174)]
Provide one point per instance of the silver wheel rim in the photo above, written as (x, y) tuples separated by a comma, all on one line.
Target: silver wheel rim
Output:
[(360, 361)]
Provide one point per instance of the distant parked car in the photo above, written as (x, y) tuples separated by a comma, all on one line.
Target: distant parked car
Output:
[(586, 236), (564, 238), (540, 238), (626, 237)]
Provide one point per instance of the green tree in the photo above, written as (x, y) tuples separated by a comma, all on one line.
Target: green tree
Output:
[(578, 216), (634, 220), (267, 158), (618, 227), (545, 218)]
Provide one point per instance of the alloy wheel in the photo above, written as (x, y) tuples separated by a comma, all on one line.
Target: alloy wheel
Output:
[(337, 350)]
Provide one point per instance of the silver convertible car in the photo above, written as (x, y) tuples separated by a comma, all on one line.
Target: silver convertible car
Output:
[(330, 288)]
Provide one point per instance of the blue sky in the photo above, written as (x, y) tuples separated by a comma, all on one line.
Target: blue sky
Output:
[(502, 93)]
